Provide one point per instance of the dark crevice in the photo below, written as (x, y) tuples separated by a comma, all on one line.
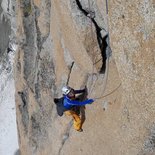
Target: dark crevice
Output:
[(103, 48), (23, 108), (80, 7), (70, 70), (37, 90), (65, 137), (23, 97), (102, 41), (8, 6)]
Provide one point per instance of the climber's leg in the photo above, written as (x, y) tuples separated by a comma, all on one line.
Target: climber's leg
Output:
[(77, 121)]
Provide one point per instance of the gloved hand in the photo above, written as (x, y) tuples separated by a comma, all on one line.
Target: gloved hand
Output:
[(94, 99), (91, 101), (84, 90)]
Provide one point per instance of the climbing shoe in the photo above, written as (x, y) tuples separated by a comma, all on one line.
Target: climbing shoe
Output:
[(80, 130)]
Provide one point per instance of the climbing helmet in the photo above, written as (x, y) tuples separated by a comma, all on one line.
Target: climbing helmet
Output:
[(66, 90)]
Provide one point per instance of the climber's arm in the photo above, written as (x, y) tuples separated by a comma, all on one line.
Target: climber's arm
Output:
[(78, 103)]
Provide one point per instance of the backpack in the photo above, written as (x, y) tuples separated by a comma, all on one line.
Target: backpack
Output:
[(60, 106)]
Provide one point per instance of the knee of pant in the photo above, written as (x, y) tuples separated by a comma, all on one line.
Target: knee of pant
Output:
[(77, 120), (68, 113)]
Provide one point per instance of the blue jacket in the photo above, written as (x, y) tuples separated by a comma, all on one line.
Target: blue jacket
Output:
[(68, 103)]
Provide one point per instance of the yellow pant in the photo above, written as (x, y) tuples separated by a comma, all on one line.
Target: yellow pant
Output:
[(77, 120)]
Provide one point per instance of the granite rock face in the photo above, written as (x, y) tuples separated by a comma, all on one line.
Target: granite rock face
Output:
[(67, 42), (132, 39)]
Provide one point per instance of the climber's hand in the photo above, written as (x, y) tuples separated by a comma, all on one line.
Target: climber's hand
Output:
[(94, 99), (91, 101)]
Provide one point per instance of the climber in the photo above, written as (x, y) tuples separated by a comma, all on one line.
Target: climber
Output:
[(71, 101)]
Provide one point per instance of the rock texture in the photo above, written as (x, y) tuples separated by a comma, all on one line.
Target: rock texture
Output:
[(5, 29), (8, 126), (132, 39), (67, 42)]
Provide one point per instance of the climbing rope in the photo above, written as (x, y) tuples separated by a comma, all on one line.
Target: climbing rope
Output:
[(97, 98)]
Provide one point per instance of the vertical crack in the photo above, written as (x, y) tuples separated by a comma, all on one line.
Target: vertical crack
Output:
[(24, 110), (102, 41), (80, 7), (8, 9), (65, 137), (70, 70), (23, 97)]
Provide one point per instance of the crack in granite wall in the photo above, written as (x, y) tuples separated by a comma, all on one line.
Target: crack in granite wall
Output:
[(65, 137), (23, 107), (69, 74), (102, 40)]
